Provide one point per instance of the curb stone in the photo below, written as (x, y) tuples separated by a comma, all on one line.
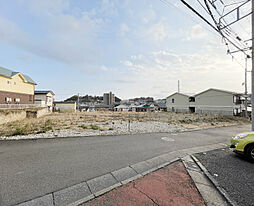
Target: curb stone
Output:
[(214, 182), (78, 194), (209, 193)]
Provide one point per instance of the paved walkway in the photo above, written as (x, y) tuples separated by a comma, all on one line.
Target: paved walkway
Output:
[(170, 185)]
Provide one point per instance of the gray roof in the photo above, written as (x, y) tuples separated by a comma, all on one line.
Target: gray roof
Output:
[(218, 90), (161, 105), (9, 73), (183, 94), (43, 92)]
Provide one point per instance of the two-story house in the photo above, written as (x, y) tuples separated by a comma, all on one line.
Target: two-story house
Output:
[(44, 99), (178, 102), (15, 87), (210, 101), (217, 101)]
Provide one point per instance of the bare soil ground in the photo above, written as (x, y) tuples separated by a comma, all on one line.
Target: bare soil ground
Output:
[(90, 121)]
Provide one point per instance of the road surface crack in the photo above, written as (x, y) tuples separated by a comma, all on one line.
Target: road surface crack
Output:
[(53, 197), (134, 185)]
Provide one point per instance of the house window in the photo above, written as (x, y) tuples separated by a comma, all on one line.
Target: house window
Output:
[(17, 100), (191, 99), (8, 99), (237, 100), (14, 83), (8, 82), (173, 101), (30, 98)]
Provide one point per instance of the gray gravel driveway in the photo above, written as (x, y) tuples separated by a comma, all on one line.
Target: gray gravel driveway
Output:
[(233, 172)]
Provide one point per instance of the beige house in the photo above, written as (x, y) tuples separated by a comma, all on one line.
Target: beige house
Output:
[(178, 102), (44, 99), (65, 106), (15, 87), (216, 101)]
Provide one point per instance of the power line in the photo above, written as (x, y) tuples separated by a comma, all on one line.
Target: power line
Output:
[(170, 5), (216, 28), (227, 35), (199, 15)]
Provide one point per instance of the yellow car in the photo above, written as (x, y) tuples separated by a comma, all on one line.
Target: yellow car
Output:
[(244, 144)]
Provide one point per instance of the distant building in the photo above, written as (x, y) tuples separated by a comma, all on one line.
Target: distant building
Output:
[(65, 107), (44, 99), (160, 106), (122, 108), (145, 108), (15, 87), (109, 99)]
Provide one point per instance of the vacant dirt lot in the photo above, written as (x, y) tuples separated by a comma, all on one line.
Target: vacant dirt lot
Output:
[(116, 121)]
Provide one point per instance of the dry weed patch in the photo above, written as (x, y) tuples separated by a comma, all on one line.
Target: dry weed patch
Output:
[(104, 120)]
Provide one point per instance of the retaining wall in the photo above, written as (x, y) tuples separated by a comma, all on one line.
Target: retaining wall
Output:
[(15, 115), (37, 113), (11, 116)]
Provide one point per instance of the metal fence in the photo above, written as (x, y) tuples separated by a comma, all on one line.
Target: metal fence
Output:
[(18, 106)]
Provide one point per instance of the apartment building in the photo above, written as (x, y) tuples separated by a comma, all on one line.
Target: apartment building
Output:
[(109, 99), (210, 101)]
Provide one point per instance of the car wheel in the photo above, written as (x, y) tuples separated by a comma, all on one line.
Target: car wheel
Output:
[(250, 152)]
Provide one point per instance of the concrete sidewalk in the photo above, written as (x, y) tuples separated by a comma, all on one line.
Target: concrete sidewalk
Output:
[(170, 185)]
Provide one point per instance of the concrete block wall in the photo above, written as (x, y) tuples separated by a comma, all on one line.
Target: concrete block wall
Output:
[(37, 113)]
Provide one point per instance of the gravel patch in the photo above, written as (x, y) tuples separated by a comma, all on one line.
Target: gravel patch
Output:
[(234, 173), (105, 128)]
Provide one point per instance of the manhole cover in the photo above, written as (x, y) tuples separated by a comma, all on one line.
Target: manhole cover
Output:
[(168, 139)]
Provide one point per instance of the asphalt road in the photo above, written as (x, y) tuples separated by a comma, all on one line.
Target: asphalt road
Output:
[(233, 172), (33, 168)]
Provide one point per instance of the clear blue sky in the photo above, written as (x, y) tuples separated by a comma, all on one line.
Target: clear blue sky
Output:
[(132, 48)]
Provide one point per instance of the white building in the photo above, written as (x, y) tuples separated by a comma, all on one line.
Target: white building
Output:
[(44, 99), (178, 102), (210, 101), (216, 101), (121, 108)]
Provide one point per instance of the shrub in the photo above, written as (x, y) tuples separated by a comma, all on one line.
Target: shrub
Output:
[(45, 129), (110, 128), (40, 132), (94, 127), (83, 126), (18, 131), (48, 121)]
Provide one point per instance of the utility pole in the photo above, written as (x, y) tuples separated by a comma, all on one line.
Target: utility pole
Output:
[(178, 86), (78, 102), (252, 73), (246, 92)]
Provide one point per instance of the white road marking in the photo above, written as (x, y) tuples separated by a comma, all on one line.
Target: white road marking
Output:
[(168, 139)]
